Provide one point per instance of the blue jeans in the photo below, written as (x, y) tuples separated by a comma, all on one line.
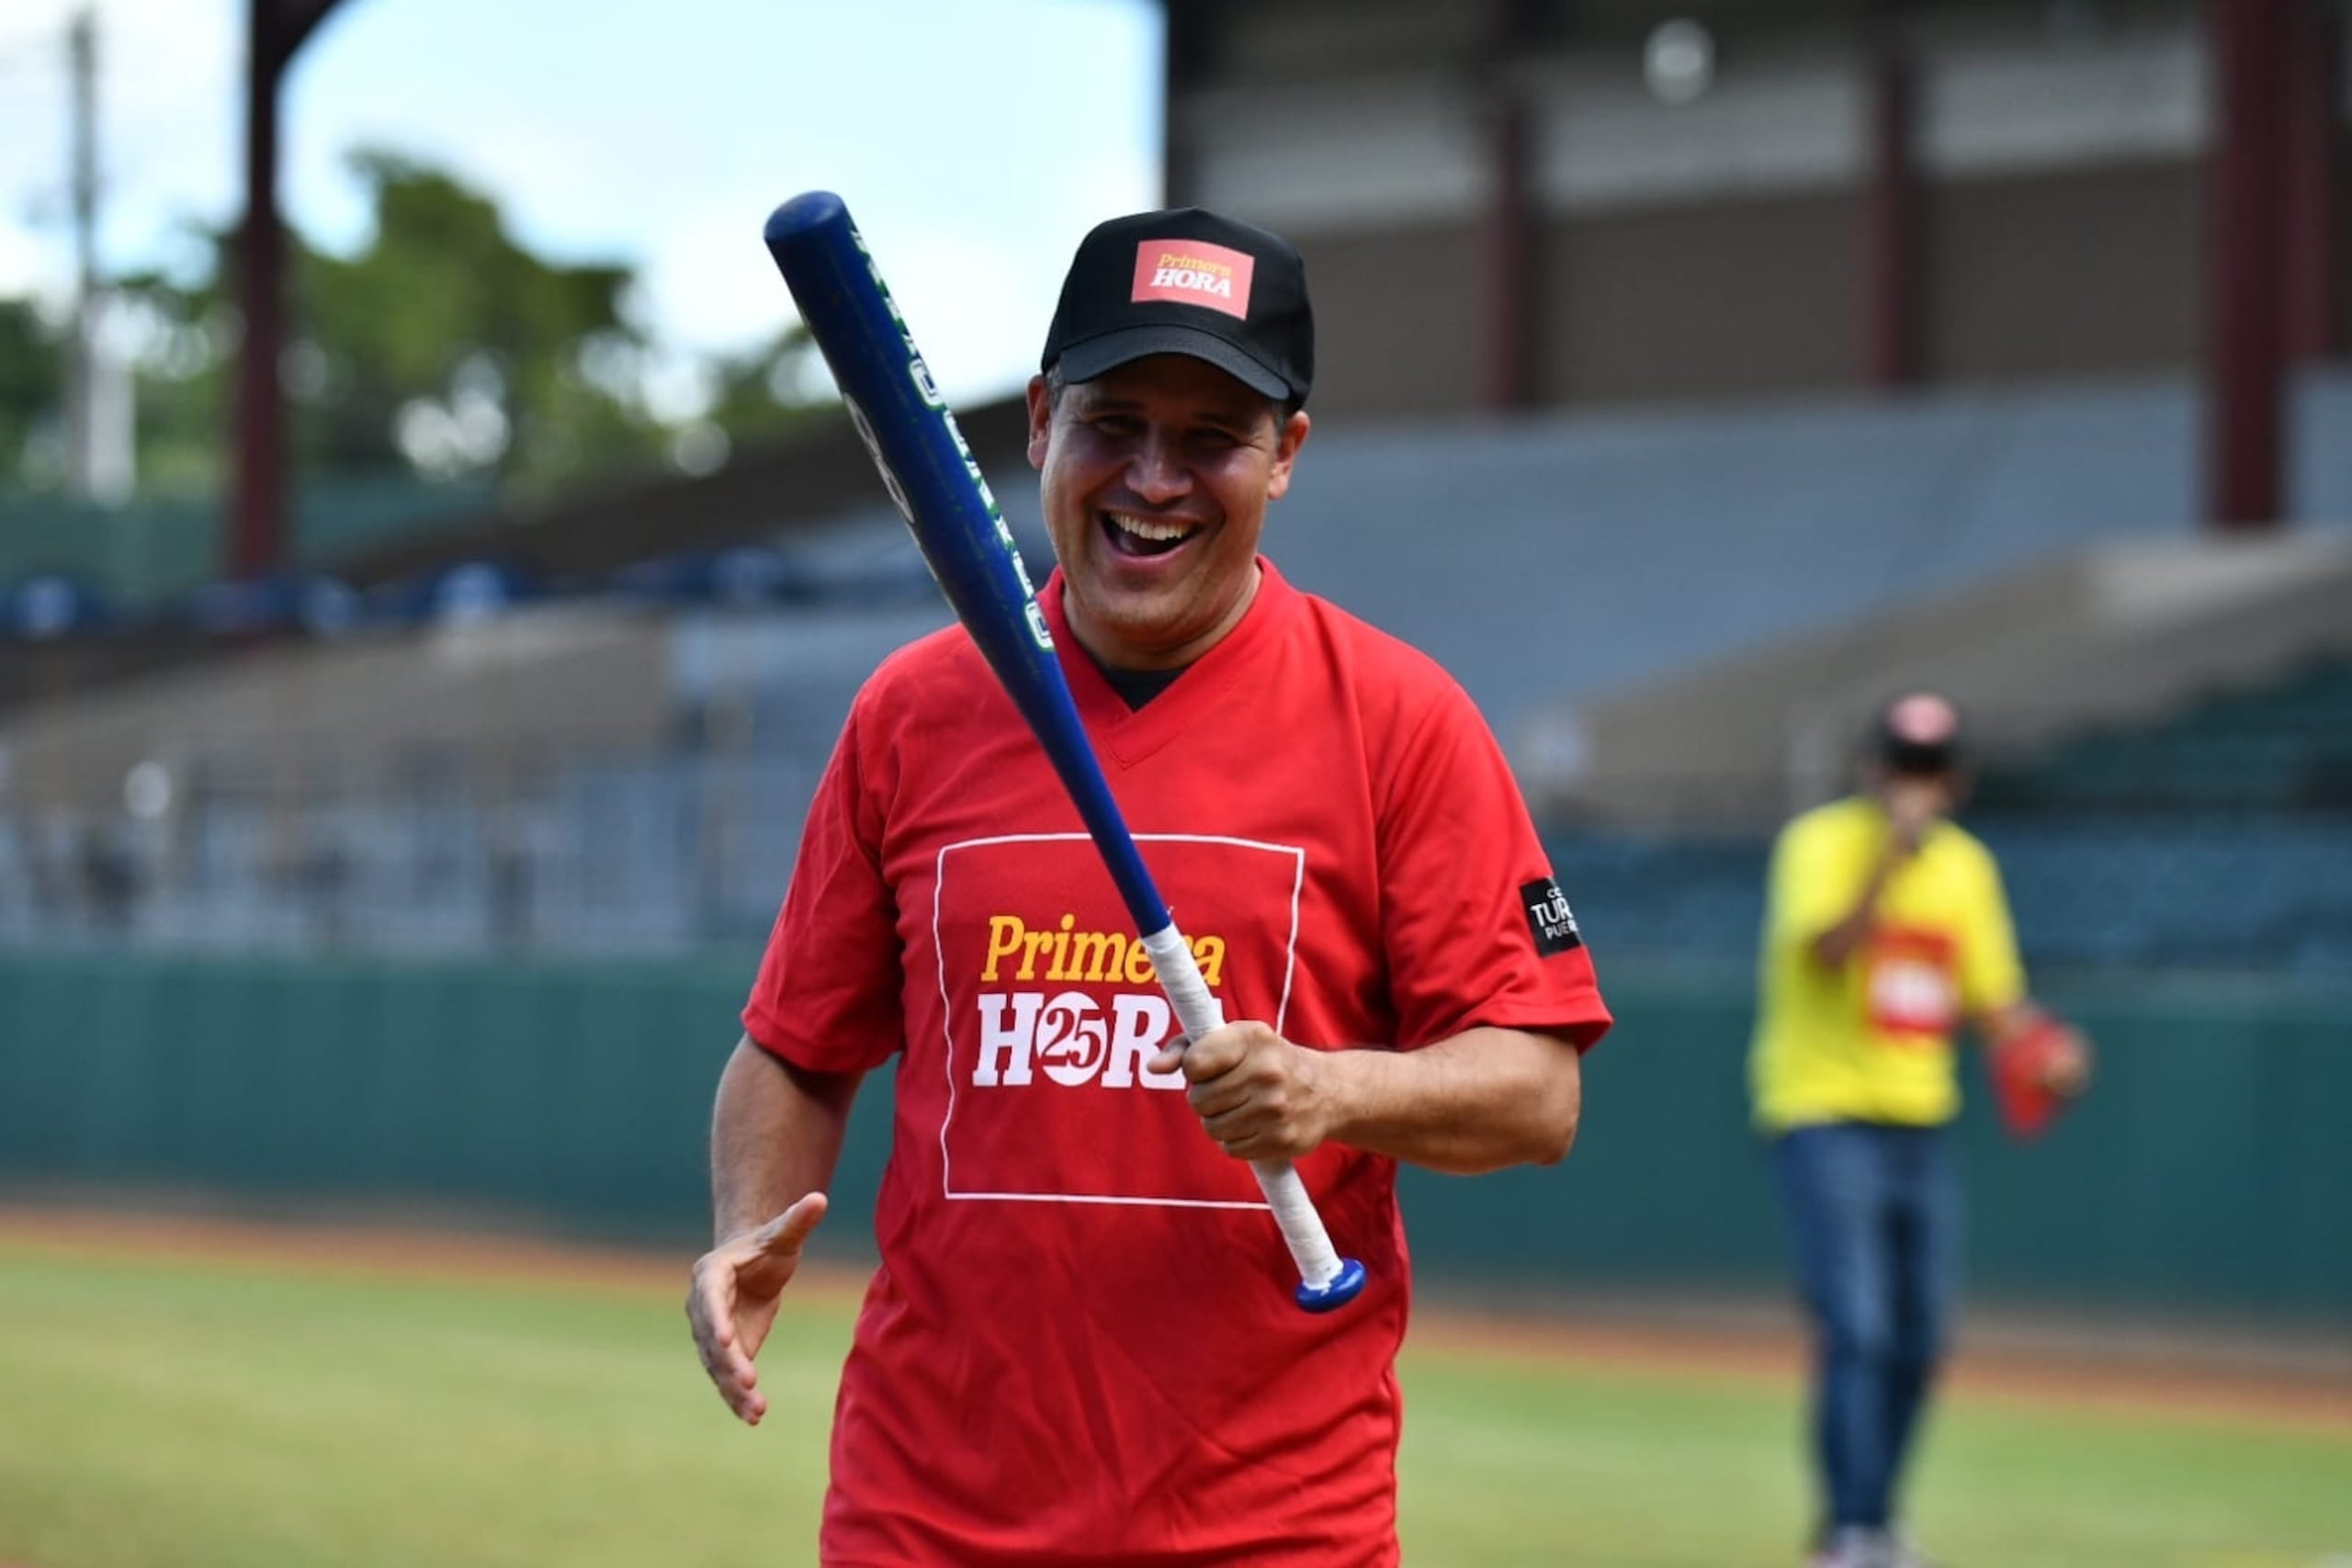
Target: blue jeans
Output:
[(1874, 1220)]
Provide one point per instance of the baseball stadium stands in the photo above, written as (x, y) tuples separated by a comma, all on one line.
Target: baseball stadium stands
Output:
[(538, 766)]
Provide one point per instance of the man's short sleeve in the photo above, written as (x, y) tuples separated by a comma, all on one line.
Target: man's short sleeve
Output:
[(828, 993), (1991, 975), (1812, 885), (1477, 930)]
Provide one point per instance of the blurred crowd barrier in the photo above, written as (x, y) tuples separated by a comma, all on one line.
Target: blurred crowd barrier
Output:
[(434, 850), (444, 849), (447, 853), (605, 783)]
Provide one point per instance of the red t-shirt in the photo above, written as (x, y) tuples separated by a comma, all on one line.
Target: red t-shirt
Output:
[(1082, 1345)]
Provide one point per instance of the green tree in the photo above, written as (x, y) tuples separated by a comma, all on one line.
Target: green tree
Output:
[(446, 342), (185, 334), (443, 345), (32, 375), (769, 390)]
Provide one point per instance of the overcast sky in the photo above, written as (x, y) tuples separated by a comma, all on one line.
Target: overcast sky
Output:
[(974, 140)]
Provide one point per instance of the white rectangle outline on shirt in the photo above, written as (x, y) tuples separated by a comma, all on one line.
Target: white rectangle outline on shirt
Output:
[(947, 1007)]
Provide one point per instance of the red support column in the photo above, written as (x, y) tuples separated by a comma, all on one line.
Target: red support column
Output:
[(1187, 55), (1891, 334), (2246, 235), (1509, 359), (1508, 365), (2314, 184), (258, 484), (257, 543)]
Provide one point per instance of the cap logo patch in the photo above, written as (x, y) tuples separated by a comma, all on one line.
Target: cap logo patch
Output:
[(1191, 272), (1923, 719)]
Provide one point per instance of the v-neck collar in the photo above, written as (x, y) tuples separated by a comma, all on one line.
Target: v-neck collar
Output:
[(1129, 735)]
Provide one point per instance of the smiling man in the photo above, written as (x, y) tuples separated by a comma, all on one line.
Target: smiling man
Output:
[(1081, 1345)]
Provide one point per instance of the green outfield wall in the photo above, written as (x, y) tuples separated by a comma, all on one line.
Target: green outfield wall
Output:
[(2211, 1171)]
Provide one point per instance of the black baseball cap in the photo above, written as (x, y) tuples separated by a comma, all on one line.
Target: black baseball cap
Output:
[(1918, 733), (1185, 281)]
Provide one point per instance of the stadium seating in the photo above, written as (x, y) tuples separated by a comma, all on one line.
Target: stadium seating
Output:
[(2219, 837), (2286, 744), (2180, 891)]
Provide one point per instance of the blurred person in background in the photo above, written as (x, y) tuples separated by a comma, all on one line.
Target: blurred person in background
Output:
[(1886, 929), (1096, 1356), (110, 879)]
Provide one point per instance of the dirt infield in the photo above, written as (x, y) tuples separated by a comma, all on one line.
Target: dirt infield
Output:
[(2079, 1363)]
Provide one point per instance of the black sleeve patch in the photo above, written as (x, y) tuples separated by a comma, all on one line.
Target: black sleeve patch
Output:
[(1549, 920)]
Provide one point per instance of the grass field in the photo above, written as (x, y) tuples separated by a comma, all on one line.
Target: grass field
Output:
[(160, 1410)]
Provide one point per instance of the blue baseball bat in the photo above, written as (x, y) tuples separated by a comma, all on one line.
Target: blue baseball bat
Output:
[(930, 473)]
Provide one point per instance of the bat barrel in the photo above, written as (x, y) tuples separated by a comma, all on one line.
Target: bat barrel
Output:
[(931, 474)]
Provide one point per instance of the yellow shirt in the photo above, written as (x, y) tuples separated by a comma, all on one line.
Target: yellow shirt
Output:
[(1872, 1039)]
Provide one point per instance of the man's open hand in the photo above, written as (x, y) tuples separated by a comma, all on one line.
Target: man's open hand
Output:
[(731, 1302)]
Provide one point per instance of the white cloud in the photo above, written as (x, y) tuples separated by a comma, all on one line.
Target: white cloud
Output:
[(709, 282)]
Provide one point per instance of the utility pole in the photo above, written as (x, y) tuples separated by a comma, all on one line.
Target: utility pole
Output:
[(81, 340)]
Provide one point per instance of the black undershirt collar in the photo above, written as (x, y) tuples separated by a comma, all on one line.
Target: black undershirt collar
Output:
[(1135, 687)]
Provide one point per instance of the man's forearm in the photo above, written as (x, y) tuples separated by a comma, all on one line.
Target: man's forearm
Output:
[(775, 1135), (1479, 1101), (1992, 1025), (1836, 944)]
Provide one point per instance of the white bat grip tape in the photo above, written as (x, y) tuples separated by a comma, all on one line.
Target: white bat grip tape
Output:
[(1325, 1280), (1197, 1013)]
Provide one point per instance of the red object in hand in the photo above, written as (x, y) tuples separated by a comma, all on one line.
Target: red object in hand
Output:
[(2023, 1065)]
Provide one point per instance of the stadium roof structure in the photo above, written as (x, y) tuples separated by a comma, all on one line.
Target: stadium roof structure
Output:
[(1625, 201)]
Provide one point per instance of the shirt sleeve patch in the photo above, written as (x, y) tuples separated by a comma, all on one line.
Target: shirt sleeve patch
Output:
[(1549, 919)]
